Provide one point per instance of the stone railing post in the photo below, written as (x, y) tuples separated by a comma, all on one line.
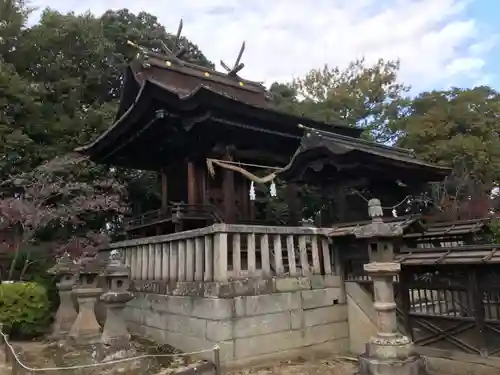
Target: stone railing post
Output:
[(65, 273), (220, 256), (388, 352)]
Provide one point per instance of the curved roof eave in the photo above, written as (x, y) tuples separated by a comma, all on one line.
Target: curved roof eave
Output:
[(192, 99), (435, 172), (135, 109)]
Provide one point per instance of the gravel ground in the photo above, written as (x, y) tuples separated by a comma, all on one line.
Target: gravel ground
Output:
[(38, 354), (316, 367)]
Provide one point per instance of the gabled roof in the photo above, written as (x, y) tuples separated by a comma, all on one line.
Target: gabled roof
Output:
[(184, 79), (320, 147)]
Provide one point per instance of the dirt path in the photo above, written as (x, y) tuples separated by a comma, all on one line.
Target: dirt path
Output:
[(317, 367)]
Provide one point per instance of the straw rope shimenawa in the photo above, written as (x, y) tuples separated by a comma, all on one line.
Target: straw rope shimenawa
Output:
[(236, 167)]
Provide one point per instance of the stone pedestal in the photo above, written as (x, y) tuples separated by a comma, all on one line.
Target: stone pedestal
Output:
[(64, 271), (412, 365), (115, 336), (86, 330), (388, 352)]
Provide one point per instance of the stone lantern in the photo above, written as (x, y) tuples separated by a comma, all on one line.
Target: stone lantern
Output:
[(115, 335), (86, 330), (388, 352), (65, 273)]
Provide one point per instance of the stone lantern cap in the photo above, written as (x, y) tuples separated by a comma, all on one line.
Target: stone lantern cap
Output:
[(377, 228), (115, 266), (64, 266), (90, 265)]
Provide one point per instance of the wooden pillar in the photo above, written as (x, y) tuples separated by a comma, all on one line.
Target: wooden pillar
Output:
[(204, 185), (253, 211), (245, 199), (340, 203), (164, 200), (292, 201), (228, 192), (191, 182)]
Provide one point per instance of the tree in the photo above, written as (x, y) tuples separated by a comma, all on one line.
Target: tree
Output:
[(19, 104), (360, 95), (457, 128), (13, 15), (67, 82), (76, 63), (56, 203)]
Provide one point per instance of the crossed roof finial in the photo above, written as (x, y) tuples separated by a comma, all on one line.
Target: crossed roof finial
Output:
[(178, 50), (233, 72)]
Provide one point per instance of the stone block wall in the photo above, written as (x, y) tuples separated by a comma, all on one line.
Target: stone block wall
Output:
[(297, 316)]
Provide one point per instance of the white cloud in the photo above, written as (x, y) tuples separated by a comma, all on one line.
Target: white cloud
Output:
[(435, 40)]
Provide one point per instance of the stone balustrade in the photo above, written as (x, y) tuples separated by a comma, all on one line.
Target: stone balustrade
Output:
[(224, 252)]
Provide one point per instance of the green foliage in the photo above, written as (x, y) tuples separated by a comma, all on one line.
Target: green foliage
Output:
[(60, 82), (495, 231), (67, 79), (458, 128), (359, 95), (31, 265), (24, 309)]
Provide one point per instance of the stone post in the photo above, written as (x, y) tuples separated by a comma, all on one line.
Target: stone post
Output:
[(86, 330), (388, 352), (115, 336), (65, 273)]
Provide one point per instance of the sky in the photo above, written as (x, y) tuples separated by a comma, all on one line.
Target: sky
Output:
[(440, 43)]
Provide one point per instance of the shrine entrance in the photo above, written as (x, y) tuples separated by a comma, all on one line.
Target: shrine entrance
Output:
[(452, 306)]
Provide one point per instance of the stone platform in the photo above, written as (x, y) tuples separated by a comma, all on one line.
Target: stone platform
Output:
[(251, 320)]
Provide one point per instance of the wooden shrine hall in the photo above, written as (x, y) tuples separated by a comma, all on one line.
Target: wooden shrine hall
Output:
[(174, 115)]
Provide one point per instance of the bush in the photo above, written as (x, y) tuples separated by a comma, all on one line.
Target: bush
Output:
[(24, 309)]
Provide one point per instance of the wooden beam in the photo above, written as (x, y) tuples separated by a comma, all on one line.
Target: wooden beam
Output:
[(266, 157)]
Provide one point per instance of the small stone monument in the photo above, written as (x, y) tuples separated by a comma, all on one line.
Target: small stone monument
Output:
[(115, 336), (65, 273), (86, 330), (388, 352)]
